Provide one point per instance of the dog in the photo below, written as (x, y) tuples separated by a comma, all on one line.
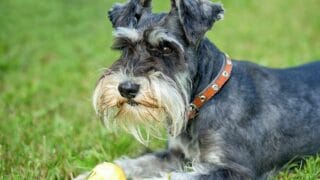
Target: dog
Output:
[(226, 119)]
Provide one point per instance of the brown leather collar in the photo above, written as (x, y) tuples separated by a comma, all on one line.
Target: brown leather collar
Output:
[(212, 88)]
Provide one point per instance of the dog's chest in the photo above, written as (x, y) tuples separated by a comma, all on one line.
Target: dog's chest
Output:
[(198, 151), (189, 147)]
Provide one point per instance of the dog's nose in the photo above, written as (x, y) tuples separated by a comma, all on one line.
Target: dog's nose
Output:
[(128, 89)]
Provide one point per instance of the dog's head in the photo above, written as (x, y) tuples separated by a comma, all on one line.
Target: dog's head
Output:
[(150, 84)]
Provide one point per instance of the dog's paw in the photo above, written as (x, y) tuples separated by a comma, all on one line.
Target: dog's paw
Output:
[(153, 178), (164, 176)]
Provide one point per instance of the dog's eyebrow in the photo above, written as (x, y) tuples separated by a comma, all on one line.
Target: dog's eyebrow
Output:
[(157, 36), (127, 33)]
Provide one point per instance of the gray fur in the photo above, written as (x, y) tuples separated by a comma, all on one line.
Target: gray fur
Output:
[(261, 119), (197, 17)]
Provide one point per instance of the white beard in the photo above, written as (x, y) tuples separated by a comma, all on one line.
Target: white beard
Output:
[(161, 102)]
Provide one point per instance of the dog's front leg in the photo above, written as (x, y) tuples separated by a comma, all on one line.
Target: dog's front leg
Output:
[(220, 174), (151, 165)]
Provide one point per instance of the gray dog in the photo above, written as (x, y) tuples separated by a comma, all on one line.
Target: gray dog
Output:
[(225, 119)]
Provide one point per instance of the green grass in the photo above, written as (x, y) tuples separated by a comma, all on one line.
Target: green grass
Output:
[(52, 52)]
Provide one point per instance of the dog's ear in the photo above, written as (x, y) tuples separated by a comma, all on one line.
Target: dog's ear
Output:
[(197, 17), (128, 14)]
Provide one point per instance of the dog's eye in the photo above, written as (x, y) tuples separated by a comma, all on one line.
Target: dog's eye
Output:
[(162, 49), (166, 50)]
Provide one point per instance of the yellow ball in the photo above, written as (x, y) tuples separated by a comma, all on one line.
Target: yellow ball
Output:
[(107, 171)]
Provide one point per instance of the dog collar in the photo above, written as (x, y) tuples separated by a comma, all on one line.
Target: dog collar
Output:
[(212, 89)]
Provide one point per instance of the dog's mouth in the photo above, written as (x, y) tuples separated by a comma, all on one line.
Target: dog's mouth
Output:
[(135, 103), (132, 102)]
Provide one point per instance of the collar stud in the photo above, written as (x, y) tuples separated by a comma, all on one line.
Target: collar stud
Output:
[(203, 98)]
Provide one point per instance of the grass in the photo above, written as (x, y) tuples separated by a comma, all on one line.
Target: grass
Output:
[(52, 52)]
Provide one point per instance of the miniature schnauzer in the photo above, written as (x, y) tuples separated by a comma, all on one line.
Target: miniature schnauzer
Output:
[(225, 119)]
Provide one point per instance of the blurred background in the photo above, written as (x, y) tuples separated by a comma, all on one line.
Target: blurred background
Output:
[(52, 52)]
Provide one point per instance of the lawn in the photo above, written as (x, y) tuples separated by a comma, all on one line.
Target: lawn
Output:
[(52, 52)]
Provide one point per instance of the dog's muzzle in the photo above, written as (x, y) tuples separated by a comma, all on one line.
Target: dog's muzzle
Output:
[(133, 103)]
